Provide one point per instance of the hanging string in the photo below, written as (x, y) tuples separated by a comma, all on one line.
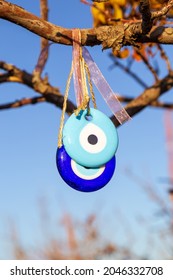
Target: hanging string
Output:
[(85, 93), (64, 107), (90, 85), (79, 75), (82, 66), (80, 85)]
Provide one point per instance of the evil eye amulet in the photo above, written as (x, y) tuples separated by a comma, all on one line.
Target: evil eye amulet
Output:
[(81, 178), (91, 142)]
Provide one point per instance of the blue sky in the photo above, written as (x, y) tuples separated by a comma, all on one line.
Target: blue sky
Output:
[(29, 141)]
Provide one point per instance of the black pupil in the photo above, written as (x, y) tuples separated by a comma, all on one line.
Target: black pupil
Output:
[(92, 139)]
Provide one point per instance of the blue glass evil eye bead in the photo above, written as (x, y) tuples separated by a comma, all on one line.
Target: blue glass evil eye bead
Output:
[(90, 142), (81, 178)]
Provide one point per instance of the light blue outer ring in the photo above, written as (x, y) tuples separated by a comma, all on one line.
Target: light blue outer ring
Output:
[(71, 132)]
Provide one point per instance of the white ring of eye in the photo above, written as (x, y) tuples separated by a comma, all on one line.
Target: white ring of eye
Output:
[(83, 176), (92, 129)]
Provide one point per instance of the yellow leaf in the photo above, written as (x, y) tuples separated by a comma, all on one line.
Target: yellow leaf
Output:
[(118, 2), (103, 13), (98, 14)]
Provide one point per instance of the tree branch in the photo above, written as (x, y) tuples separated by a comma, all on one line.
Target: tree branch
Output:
[(147, 63), (14, 74), (42, 86), (109, 36), (128, 71), (44, 47), (155, 103), (144, 9), (52, 95), (22, 102), (45, 29), (40, 99), (165, 57), (163, 11), (44, 42), (150, 95)]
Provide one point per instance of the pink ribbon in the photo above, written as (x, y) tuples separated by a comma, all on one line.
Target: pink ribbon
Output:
[(77, 78), (102, 85)]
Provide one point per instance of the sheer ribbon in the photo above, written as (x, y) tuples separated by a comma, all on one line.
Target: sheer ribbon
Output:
[(103, 87)]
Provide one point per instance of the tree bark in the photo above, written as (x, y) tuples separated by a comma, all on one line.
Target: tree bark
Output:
[(109, 36)]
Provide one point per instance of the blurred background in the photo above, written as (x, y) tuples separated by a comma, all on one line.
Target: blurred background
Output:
[(43, 218)]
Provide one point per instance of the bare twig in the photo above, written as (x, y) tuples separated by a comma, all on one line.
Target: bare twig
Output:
[(44, 9), (146, 61), (148, 96), (164, 105), (165, 57), (146, 16), (149, 190), (42, 59), (52, 94), (22, 102), (41, 99), (129, 72), (163, 11), (15, 74), (156, 103), (44, 42)]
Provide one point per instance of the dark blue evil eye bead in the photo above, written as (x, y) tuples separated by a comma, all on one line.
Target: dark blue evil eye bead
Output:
[(92, 141), (81, 178)]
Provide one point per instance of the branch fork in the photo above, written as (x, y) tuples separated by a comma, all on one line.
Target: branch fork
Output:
[(122, 34)]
